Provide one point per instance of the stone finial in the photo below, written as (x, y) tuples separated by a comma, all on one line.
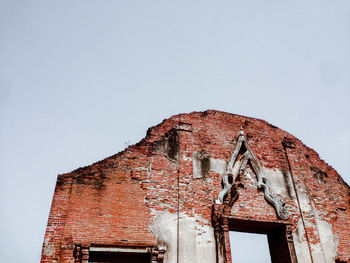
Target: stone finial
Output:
[(241, 132)]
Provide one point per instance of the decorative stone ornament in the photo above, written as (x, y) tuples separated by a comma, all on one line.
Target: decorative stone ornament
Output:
[(240, 157)]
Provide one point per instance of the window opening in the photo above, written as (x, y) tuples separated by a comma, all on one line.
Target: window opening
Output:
[(116, 255)]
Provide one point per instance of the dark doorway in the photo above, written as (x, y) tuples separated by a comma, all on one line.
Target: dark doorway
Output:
[(118, 257), (280, 242)]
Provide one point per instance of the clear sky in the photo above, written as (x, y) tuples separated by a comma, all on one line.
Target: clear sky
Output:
[(82, 79), (239, 242)]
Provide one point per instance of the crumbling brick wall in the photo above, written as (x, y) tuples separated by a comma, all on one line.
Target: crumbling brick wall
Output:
[(161, 192)]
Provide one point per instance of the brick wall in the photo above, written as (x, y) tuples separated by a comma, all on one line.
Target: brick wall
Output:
[(177, 170)]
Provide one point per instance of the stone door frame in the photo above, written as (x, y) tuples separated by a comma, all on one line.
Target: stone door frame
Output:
[(279, 234)]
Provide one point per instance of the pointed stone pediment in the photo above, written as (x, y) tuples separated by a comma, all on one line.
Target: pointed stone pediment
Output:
[(241, 156)]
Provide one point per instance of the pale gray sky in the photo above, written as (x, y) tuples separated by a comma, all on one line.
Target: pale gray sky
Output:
[(256, 246), (81, 79)]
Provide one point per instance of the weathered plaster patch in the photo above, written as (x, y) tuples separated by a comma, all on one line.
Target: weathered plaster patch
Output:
[(329, 241), (197, 243), (324, 253), (196, 163), (317, 253), (304, 201), (277, 182), (217, 165), (201, 164), (300, 244), (164, 227)]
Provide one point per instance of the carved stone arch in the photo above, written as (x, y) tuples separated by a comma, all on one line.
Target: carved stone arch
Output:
[(240, 157), (223, 222)]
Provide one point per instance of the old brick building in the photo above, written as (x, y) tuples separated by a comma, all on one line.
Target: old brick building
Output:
[(174, 197)]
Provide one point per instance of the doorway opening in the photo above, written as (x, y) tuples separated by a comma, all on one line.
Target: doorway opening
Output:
[(110, 257), (118, 255), (269, 242)]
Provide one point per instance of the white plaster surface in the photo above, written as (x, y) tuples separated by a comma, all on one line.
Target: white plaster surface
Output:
[(300, 244), (328, 240), (317, 253), (197, 170), (164, 228), (304, 200), (196, 241), (276, 179), (218, 165)]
